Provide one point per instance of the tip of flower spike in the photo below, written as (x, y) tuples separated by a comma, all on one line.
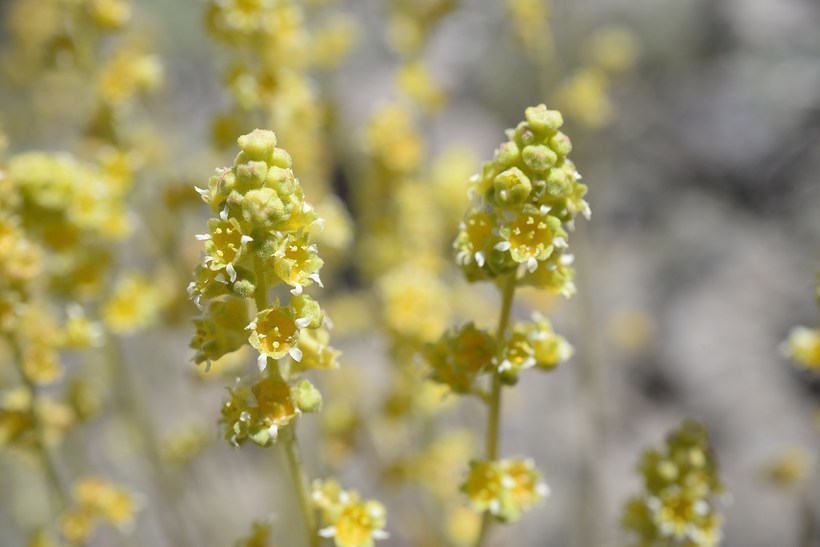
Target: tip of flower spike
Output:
[(258, 144)]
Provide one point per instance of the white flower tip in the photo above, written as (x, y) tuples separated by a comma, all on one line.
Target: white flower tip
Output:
[(273, 431), (245, 239), (316, 279), (479, 259), (295, 354), (559, 242), (231, 272), (262, 362), (532, 264), (328, 532), (503, 246), (380, 534), (201, 191), (297, 289), (302, 322), (223, 214)]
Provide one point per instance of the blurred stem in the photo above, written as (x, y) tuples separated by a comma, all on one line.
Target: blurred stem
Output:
[(300, 482), (493, 425), (591, 395), (809, 531), (57, 494), (171, 518), (288, 438)]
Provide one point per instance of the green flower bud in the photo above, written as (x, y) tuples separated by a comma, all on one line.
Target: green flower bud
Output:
[(251, 175), (306, 397), (243, 288), (507, 154), (280, 158), (540, 119), (512, 188), (539, 158), (258, 144), (262, 208), (308, 311), (561, 144)]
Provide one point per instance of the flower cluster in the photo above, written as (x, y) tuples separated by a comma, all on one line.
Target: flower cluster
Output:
[(348, 519), (259, 239), (506, 488), (524, 200), (96, 500), (681, 483)]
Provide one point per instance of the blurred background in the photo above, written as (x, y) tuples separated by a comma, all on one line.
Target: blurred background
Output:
[(696, 126)]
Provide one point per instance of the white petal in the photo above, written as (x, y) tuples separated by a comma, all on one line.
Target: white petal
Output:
[(379, 534), (503, 246), (532, 264), (328, 532), (559, 242), (296, 290), (273, 431), (302, 322), (203, 237), (479, 259), (245, 240), (223, 214), (201, 191), (295, 354), (231, 272), (318, 280), (544, 209), (262, 362)]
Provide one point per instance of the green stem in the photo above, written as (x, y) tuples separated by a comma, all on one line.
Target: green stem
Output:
[(57, 493), (300, 482), (288, 434), (494, 421)]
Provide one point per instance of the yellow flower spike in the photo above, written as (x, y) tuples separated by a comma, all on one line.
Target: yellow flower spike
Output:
[(681, 483), (460, 356), (78, 524), (109, 14), (415, 80), (134, 304), (411, 292), (506, 488)]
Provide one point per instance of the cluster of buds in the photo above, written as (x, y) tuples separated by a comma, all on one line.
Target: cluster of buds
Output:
[(348, 519), (680, 483), (259, 239), (506, 488), (524, 201)]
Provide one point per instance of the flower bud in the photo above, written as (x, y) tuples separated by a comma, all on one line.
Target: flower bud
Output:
[(259, 144)]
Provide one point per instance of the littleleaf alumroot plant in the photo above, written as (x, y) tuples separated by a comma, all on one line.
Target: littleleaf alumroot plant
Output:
[(515, 233), (258, 241)]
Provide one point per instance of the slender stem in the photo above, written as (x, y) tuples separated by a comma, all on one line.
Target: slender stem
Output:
[(56, 489), (288, 434), (494, 421), (300, 482)]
